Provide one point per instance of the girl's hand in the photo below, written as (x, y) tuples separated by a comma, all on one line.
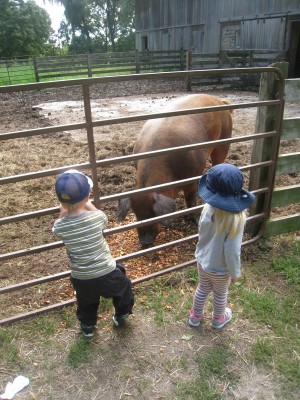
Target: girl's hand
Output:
[(234, 280)]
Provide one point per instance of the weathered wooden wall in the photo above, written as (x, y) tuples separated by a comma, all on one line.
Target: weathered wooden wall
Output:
[(207, 26)]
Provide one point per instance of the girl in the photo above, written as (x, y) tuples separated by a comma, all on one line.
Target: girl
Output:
[(221, 227)]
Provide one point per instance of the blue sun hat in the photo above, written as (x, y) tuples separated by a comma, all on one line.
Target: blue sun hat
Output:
[(72, 186), (222, 187)]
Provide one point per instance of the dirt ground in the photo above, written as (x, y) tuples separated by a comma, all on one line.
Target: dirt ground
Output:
[(21, 111)]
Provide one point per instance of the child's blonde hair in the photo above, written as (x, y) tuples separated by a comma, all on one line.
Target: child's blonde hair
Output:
[(229, 222), (71, 207)]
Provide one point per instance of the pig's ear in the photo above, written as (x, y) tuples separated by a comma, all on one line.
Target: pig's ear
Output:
[(163, 204), (123, 208)]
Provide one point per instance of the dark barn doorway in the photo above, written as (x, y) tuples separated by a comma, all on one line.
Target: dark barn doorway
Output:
[(294, 50)]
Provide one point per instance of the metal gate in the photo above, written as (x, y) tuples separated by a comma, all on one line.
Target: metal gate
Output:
[(92, 166)]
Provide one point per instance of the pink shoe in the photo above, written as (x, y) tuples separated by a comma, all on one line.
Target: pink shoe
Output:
[(221, 322), (194, 320)]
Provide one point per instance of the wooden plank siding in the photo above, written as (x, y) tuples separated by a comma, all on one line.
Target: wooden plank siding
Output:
[(285, 195), (292, 90), (287, 164), (203, 26), (291, 128), (231, 59), (278, 226), (263, 33)]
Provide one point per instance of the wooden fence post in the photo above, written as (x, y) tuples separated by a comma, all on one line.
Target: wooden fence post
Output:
[(89, 65), (36, 73), (188, 83), (264, 149), (182, 59), (137, 62)]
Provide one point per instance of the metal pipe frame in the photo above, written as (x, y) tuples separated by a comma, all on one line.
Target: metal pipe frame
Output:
[(93, 164)]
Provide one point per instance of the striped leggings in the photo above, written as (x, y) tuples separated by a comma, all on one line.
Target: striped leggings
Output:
[(218, 284)]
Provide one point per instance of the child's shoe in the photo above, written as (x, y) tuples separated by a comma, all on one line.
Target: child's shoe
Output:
[(87, 330), (194, 320), (221, 322), (119, 320)]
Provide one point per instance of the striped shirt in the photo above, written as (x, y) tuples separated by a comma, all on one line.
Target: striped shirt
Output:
[(88, 251)]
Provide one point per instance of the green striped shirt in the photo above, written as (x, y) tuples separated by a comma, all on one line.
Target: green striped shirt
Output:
[(88, 251)]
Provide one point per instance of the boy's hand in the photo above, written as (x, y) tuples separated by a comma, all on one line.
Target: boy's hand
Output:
[(62, 211), (89, 206), (234, 280)]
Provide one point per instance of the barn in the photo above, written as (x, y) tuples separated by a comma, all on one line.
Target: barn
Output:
[(211, 26)]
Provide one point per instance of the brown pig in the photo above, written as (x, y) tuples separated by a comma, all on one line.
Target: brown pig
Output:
[(169, 132)]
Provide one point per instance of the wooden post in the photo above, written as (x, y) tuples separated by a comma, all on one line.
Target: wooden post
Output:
[(36, 72), (188, 83), (89, 65), (91, 141), (267, 120), (181, 59), (137, 62)]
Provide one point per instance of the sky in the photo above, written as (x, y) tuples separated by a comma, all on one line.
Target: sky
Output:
[(55, 11)]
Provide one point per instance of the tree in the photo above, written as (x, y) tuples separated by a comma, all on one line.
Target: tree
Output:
[(111, 21), (77, 13), (117, 19), (25, 28)]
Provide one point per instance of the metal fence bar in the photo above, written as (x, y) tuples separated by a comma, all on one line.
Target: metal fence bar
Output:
[(65, 274), (136, 77), (141, 117), (104, 199), (154, 275), (57, 306), (133, 157), (91, 141), (111, 231)]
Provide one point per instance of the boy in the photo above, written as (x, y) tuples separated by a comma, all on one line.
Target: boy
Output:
[(94, 272)]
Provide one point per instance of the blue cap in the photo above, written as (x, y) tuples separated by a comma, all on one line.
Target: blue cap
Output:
[(72, 186), (222, 187)]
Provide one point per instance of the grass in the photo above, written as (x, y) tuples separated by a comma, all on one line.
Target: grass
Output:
[(197, 389), (162, 298), (16, 73), (274, 305), (288, 266), (193, 364), (8, 347), (268, 295), (79, 353), (212, 367), (262, 352)]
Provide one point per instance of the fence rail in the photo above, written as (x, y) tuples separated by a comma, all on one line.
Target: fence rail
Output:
[(230, 59), (287, 164), (40, 69)]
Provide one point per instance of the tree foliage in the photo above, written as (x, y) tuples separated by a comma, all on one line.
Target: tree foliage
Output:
[(89, 26), (25, 28), (99, 25)]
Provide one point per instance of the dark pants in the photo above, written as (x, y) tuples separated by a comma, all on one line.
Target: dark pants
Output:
[(115, 285)]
